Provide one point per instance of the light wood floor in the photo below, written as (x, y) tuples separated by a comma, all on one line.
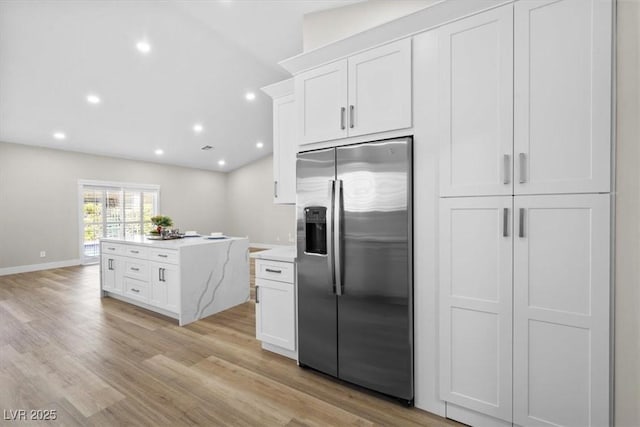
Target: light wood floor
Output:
[(103, 362)]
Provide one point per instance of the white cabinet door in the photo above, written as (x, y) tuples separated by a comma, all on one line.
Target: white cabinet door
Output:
[(284, 150), (380, 89), (165, 290), (321, 100), (561, 310), (112, 270), (476, 304), (476, 104), (275, 313), (562, 96)]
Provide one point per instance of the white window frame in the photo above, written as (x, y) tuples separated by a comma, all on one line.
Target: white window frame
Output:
[(106, 185)]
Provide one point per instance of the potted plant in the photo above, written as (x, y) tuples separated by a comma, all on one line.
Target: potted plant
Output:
[(161, 221)]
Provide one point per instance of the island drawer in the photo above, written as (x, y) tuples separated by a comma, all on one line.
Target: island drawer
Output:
[(137, 289), (164, 255), (136, 268), (112, 248), (137, 252), (275, 270)]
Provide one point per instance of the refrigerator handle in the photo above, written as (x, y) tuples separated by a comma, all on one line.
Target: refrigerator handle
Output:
[(330, 214), (337, 236)]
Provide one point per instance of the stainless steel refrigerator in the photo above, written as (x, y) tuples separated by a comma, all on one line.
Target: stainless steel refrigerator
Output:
[(355, 284)]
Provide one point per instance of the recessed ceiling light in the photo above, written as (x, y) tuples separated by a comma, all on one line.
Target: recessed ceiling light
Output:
[(197, 128), (159, 152), (59, 136), (250, 96), (143, 46), (222, 162), (259, 144), (93, 99)]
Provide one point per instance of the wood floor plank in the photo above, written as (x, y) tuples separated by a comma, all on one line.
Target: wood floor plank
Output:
[(102, 362)]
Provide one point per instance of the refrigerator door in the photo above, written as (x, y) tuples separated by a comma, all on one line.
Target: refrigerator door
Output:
[(375, 310), (317, 315)]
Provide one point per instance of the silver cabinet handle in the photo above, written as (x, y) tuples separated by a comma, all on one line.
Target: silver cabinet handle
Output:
[(163, 278), (351, 116), (110, 264), (505, 222), (275, 189), (269, 270), (337, 236), (160, 275), (135, 290), (163, 256), (523, 164), (342, 118), (257, 294), (521, 223), (135, 252), (112, 249), (506, 168), (135, 268), (329, 231)]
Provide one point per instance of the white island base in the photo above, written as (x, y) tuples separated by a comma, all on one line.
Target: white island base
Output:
[(186, 279)]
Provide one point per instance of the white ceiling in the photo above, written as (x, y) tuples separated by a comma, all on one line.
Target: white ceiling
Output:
[(205, 56)]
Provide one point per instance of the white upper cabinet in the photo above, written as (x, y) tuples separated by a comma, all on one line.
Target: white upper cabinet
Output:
[(561, 310), (476, 104), (285, 142), (562, 96), (475, 303), (380, 89), (284, 150), (322, 103), (366, 93)]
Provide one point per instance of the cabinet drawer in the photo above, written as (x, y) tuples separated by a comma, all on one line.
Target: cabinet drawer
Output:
[(137, 269), (164, 255), (137, 252), (137, 289), (275, 270), (112, 248)]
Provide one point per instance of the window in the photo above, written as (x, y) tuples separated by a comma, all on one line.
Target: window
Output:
[(114, 210)]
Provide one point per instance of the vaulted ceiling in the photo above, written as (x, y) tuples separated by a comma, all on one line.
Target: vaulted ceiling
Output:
[(203, 59)]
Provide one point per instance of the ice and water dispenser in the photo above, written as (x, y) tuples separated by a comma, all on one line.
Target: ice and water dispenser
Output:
[(315, 225)]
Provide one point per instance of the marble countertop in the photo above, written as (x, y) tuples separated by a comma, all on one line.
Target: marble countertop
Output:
[(282, 253), (171, 244)]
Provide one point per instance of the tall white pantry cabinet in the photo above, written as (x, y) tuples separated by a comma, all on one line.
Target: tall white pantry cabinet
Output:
[(525, 166)]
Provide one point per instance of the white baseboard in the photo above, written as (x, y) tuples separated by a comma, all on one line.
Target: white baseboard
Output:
[(38, 267), (269, 245)]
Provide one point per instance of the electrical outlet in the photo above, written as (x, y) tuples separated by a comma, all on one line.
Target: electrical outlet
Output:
[(43, 254)]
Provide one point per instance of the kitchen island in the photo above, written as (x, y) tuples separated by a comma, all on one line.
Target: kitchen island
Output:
[(186, 279)]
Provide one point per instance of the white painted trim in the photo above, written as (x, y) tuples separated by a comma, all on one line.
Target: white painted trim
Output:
[(418, 22), (115, 184), (279, 89), (268, 245), (38, 267)]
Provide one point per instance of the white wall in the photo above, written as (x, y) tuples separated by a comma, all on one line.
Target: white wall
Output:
[(627, 264), (39, 199), (326, 26), (251, 208)]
